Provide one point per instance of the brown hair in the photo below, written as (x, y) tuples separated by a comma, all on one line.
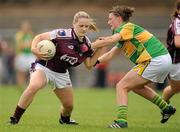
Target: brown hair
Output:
[(124, 11), (176, 9), (82, 14)]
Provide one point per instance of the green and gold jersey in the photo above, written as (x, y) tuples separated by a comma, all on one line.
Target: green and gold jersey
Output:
[(22, 38), (138, 44)]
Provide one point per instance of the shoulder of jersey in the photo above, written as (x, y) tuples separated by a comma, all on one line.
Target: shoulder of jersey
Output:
[(64, 33)]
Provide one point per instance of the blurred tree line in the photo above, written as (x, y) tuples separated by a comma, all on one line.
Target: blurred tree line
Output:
[(99, 2)]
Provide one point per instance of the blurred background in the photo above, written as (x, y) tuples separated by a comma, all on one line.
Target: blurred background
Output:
[(46, 15)]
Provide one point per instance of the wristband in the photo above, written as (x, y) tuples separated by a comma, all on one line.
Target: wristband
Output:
[(97, 62)]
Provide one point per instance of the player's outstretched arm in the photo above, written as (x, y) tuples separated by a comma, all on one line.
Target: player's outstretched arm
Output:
[(105, 58), (106, 41)]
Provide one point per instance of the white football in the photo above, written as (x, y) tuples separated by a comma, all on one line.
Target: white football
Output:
[(47, 46)]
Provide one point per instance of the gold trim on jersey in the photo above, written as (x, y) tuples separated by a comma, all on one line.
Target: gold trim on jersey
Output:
[(143, 36)]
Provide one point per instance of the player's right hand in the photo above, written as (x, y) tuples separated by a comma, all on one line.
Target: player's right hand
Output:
[(39, 54)]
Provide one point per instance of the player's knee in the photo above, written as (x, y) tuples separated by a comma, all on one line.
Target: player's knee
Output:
[(118, 85), (122, 87), (35, 86)]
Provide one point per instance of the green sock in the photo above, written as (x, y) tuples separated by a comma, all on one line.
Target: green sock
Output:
[(157, 100), (122, 114)]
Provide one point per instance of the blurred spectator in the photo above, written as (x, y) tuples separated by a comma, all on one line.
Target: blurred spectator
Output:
[(114, 77), (6, 63), (101, 75), (24, 57), (1, 63)]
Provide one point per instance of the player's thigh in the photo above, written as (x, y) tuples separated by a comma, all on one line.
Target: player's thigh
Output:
[(174, 74), (37, 79), (132, 81), (65, 95)]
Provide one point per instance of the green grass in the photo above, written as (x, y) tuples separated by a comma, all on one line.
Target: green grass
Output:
[(94, 110)]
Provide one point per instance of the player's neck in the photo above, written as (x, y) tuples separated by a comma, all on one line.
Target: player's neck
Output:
[(80, 39)]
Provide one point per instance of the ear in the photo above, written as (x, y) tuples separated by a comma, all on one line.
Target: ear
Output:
[(120, 19)]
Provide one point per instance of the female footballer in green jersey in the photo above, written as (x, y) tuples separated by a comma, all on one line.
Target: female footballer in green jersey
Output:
[(152, 62)]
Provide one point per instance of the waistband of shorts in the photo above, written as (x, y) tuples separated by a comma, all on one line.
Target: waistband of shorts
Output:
[(45, 64)]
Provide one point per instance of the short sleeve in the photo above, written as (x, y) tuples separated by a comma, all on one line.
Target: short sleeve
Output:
[(127, 32), (63, 33), (53, 34)]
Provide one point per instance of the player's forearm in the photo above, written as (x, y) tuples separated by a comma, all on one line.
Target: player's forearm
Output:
[(35, 42), (105, 58), (38, 38), (102, 43), (91, 61), (95, 56), (106, 41)]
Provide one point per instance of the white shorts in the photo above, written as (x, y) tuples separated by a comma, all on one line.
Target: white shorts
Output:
[(23, 62), (156, 70), (175, 72), (58, 80)]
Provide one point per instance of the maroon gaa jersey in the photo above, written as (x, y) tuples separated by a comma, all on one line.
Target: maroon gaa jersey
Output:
[(174, 29), (70, 52)]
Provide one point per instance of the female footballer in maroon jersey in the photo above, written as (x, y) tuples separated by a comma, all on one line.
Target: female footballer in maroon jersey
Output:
[(72, 48), (173, 43)]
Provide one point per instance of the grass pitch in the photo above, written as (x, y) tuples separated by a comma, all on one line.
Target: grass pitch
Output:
[(94, 109)]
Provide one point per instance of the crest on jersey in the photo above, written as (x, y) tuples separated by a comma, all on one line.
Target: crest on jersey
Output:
[(83, 48), (61, 33), (70, 46)]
